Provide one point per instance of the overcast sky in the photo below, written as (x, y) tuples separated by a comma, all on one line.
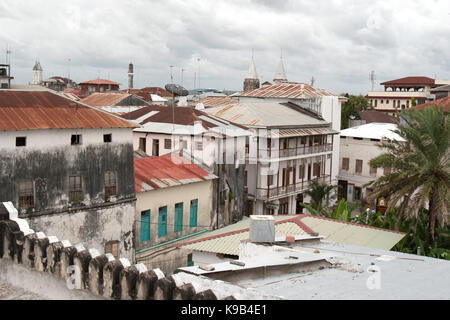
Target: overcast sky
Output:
[(338, 42)]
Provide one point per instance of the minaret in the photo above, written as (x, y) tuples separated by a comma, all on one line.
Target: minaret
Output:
[(130, 76), (280, 75), (251, 81), (37, 73)]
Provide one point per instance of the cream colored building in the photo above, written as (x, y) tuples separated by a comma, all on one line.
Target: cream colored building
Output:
[(174, 200), (359, 145)]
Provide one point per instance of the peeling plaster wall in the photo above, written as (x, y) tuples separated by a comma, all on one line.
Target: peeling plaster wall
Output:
[(49, 159), (93, 228)]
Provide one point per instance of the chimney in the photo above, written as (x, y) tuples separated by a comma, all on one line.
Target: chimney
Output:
[(262, 228), (130, 76)]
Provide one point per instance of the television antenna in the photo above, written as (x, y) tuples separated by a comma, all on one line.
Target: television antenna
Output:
[(312, 81), (372, 79), (8, 52)]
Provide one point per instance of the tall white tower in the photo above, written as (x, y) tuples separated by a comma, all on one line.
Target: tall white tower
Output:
[(280, 75), (130, 76), (37, 73)]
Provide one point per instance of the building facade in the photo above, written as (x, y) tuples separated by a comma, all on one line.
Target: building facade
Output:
[(68, 169), (97, 85), (359, 145)]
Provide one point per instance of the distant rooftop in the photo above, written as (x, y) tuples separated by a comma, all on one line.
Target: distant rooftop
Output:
[(373, 130), (376, 116), (444, 102), (100, 81), (415, 80)]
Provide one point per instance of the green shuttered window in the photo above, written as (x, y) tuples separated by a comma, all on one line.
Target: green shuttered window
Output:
[(193, 213), (178, 217), (145, 225), (162, 222)]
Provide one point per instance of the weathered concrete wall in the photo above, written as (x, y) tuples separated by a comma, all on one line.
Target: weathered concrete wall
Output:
[(88, 274), (94, 227), (167, 258)]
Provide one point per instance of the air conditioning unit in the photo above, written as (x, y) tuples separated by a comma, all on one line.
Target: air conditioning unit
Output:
[(262, 228)]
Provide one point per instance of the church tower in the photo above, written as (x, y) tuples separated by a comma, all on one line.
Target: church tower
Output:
[(280, 75), (37, 73), (251, 81)]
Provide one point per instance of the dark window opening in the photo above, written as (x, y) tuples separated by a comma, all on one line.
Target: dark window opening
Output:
[(75, 139), (167, 143), (110, 184), (113, 248), (21, 141), (143, 144), (75, 189), (107, 138)]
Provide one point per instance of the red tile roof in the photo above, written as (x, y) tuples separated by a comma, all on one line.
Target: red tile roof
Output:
[(444, 102), (29, 110), (166, 171), (291, 90), (100, 81), (409, 81)]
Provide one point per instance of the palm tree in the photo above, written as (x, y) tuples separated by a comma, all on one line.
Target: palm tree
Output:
[(420, 168), (320, 194)]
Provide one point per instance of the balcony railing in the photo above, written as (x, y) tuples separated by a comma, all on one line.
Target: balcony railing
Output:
[(278, 192), (292, 152)]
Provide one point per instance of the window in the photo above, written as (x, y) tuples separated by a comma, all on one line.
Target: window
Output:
[(343, 137), (145, 226), (359, 164), (199, 145), (110, 184), (316, 169), (75, 139), (356, 138), (357, 195), (143, 144), (373, 171), (113, 248), (270, 180), (167, 144), (26, 194), (107, 138), (303, 140), (162, 222), (301, 172), (155, 150), (193, 213), (381, 101), (283, 144), (21, 141), (75, 189), (345, 163), (387, 170), (178, 217)]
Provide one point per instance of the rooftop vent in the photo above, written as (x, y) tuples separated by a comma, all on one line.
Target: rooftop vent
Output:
[(262, 229)]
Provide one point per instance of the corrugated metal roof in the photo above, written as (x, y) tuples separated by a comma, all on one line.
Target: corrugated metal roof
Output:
[(441, 103), (98, 99), (29, 110), (100, 81), (226, 240), (301, 132), (214, 101), (289, 90), (166, 171), (264, 114)]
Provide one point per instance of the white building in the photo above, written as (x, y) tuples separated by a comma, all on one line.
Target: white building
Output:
[(68, 169), (37, 73), (290, 147), (359, 145)]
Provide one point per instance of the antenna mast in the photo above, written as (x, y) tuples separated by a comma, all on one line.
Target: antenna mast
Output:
[(372, 79)]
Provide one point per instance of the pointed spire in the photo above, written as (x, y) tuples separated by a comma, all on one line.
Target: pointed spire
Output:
[(280, 75), (251, 74), (37, 66)]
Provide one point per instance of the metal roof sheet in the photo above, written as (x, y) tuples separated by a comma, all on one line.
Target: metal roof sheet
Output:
[(289, 90), (441, 103), (373, 130), (98, 99), (264, 114), (226, 240), (29, 110), (166, 171)]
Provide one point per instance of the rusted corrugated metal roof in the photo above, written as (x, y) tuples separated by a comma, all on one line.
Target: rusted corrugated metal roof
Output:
[(30, 110), (99, 81), (441, 103), (98, 99), (166, 171), (289, 90), (301, 132), (217, 101)]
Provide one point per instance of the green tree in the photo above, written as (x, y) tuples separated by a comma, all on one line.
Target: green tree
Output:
[(351, 108), (420, 168), (320, 194), (413, 102)]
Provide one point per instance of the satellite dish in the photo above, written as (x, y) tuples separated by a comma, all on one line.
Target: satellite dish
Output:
[(176, 89)]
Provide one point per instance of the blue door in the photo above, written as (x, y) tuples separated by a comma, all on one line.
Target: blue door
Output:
[(178, 217), (193, 213), (162, 222), (145, 225)]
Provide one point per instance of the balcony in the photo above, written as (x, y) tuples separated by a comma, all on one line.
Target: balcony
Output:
[(292, 152), (284, 191)]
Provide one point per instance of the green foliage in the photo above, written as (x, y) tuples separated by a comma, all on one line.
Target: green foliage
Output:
[(351, 108), (413, 102), (420, 168), (320, 194)]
